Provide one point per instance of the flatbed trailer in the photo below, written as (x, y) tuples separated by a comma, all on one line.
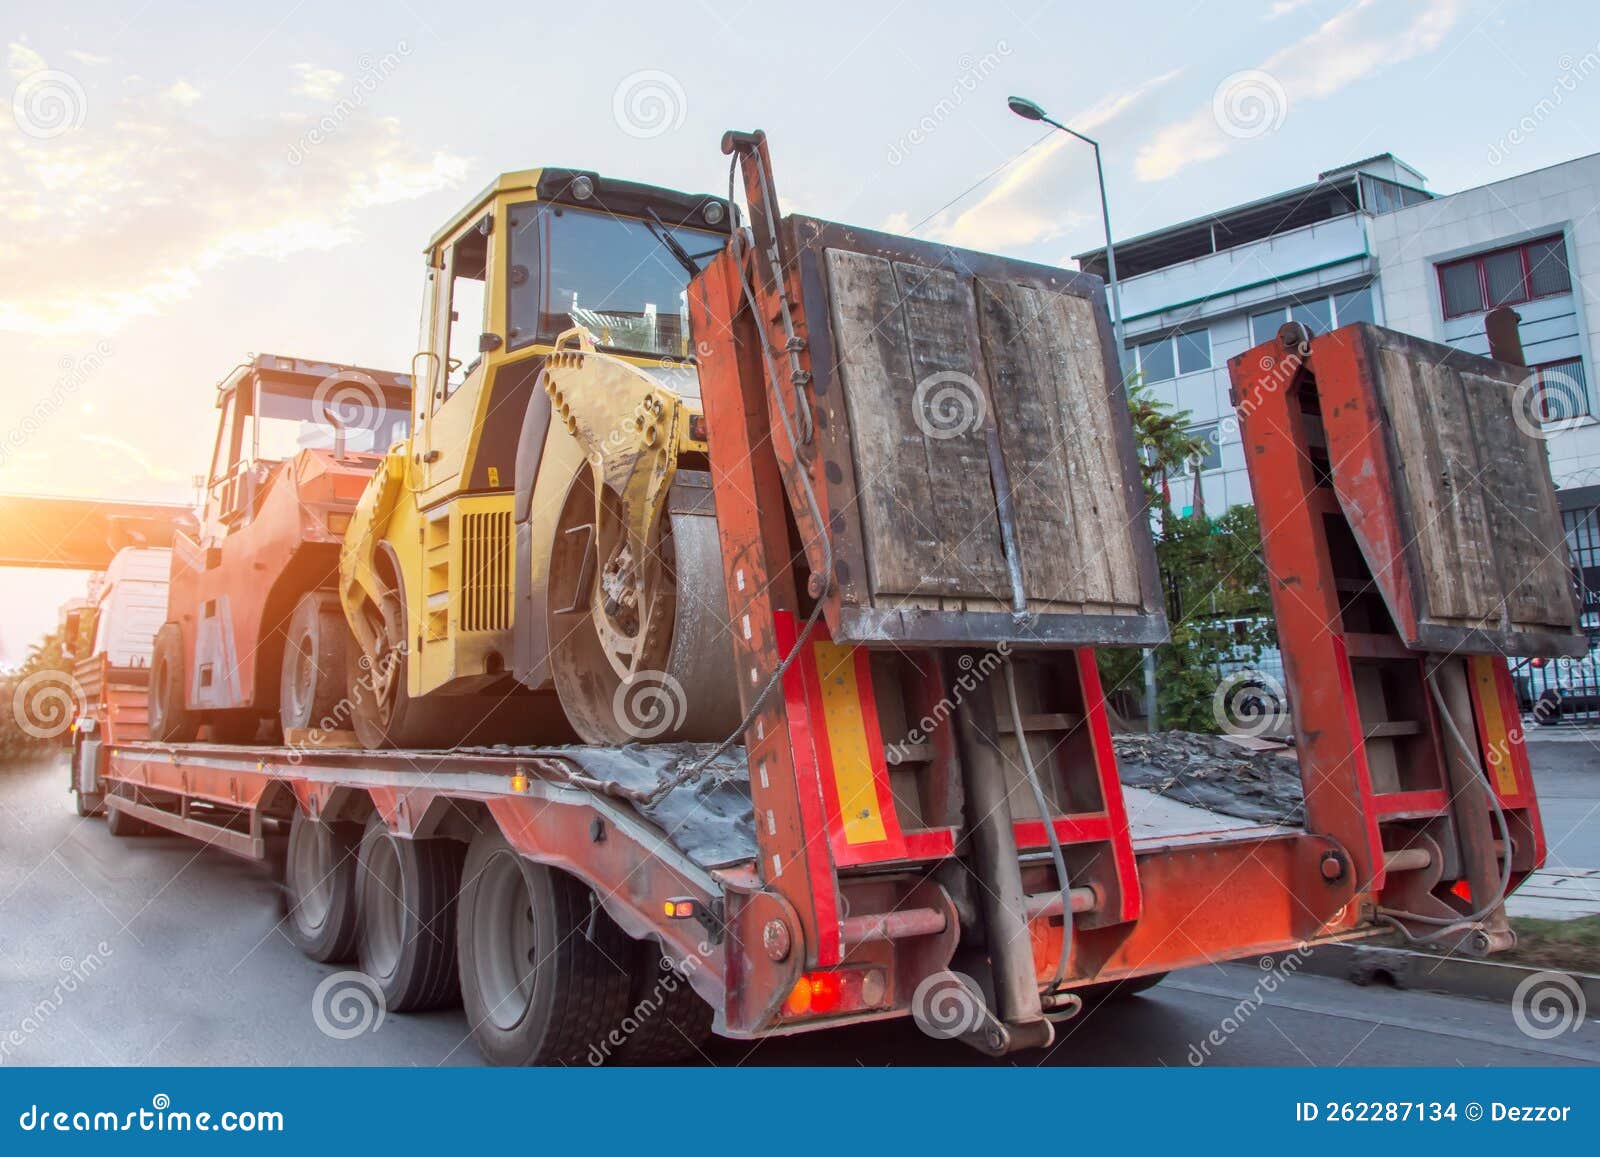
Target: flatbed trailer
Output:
[(921, 814)]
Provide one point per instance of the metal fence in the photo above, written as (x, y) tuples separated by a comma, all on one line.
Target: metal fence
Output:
[(1557, 691)]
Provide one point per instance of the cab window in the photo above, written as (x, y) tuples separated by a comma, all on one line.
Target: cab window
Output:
[(469, 260)]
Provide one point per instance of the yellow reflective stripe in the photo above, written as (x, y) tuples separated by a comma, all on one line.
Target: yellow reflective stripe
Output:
[(1492, 719), (847, 741)]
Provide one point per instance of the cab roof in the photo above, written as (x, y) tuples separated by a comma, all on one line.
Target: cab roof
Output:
[(624, 198)]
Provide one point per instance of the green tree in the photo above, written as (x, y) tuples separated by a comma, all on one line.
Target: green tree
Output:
[(18, 705), (1212, 576)]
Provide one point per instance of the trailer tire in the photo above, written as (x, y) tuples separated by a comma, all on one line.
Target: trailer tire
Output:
[(319, 888), (1094, 995), (312, 681), (408, 917), (544, 976), (124, 826), (672, 1022), (168, 715)]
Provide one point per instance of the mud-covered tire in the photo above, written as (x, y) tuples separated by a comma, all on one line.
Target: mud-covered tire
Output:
[(541, 985), (408, 917), (169, 719), (311, 682), (319, 888), (671, 1023)]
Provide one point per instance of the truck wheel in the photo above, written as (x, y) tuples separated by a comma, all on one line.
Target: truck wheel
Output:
[(123, 826), (169, 718), (319, 888), (538, 989), (408, 917), (672, 1022), (312, 681)]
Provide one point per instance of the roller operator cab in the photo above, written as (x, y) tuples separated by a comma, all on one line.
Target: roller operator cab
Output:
[(540, 559), (253, 630)]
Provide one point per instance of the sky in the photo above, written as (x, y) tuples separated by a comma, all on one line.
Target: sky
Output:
[(185, 184)]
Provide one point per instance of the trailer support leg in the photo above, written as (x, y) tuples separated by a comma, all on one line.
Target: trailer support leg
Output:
[(999, 873)]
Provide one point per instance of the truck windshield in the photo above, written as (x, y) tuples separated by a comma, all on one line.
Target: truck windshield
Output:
[(291, 421), (610, 274)]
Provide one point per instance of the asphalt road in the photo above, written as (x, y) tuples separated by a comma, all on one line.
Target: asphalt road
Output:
[(159, 952)]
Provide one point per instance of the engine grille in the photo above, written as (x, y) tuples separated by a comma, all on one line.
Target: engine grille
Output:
[(486, 554)]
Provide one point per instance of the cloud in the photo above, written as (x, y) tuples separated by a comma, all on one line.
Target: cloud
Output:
[(129, 212), (181, 92), (1283, 7), (317, 83), (1035, 199), (21, 60), (1364, 38), (91, 58)]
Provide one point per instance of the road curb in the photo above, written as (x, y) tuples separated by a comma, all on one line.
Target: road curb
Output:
[(1458, 976)]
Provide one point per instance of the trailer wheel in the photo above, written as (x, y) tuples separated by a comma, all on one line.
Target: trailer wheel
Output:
[(541, 983), (124, 826), (408, 917), (672, 1023), (169, 718), (319, 888), (92, 803), (1108, 991), (312, 681)]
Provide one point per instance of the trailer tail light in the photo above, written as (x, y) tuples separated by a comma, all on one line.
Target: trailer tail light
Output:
[(679, 909), (816, 994)]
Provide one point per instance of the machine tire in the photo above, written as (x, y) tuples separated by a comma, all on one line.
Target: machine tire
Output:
[(395, 720), (541, 985), (123, 826), (319, 888), (170, 720), (674, 1023), (312, 680), (408, 917)]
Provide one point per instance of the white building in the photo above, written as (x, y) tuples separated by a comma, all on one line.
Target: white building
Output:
[(1369, 242)]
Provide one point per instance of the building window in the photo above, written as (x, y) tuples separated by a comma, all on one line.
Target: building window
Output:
[(1164, 358), (1194, 351), (1210, 437), (1504, 277), (1319, 314), (1562, 391)]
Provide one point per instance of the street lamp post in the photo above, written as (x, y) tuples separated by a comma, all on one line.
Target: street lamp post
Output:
[(1029, 110)]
